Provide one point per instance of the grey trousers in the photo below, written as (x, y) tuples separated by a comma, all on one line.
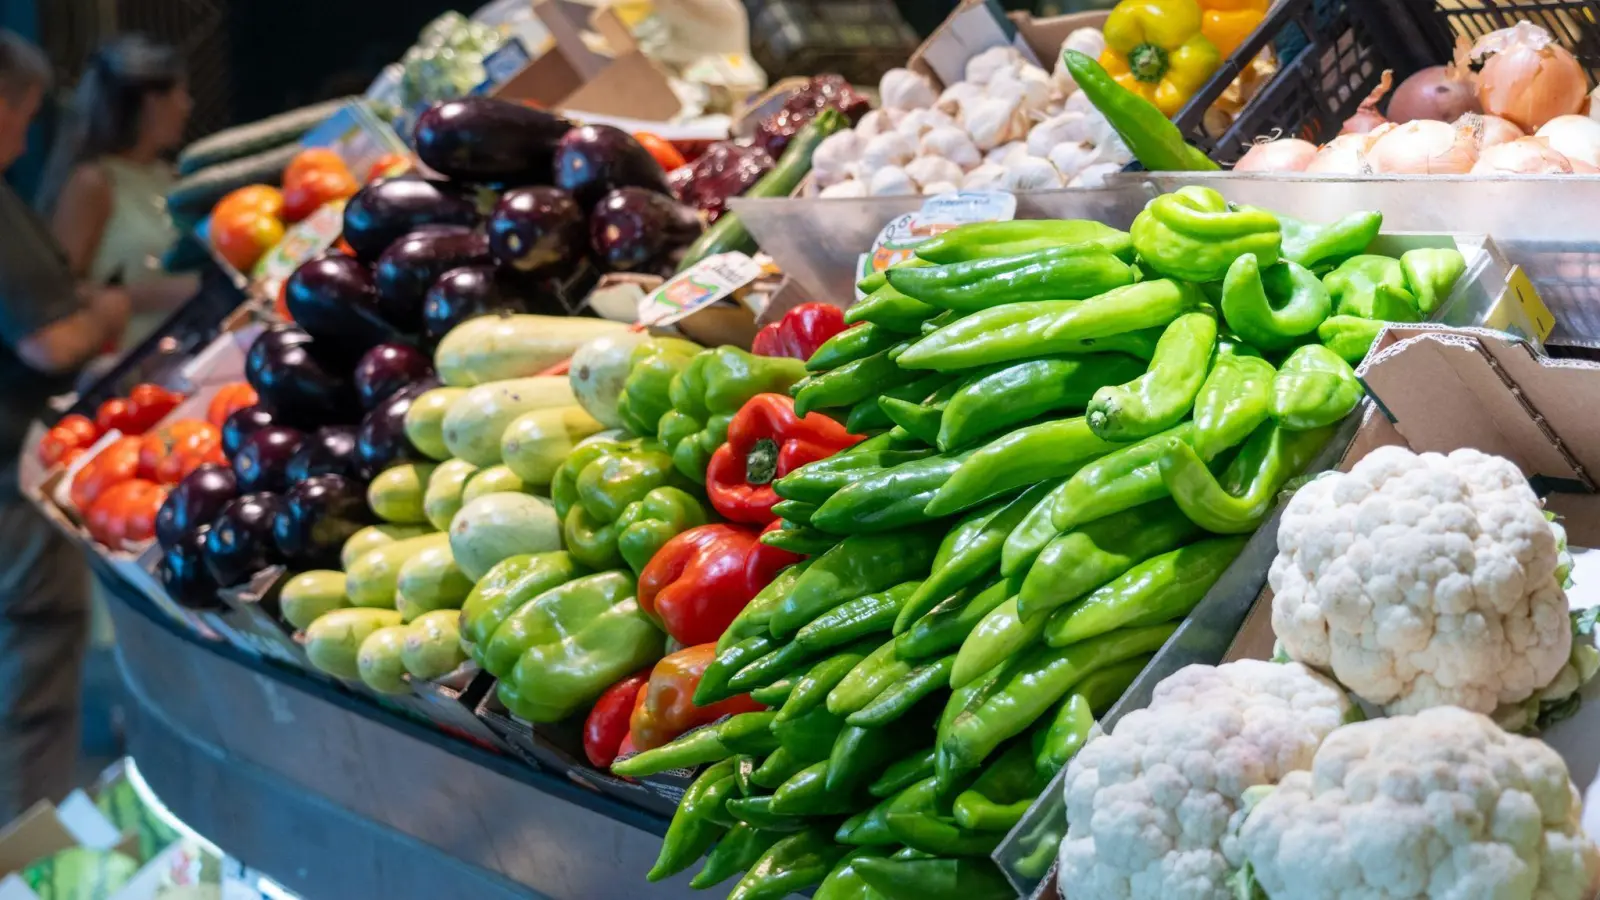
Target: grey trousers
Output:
[(44, 634)]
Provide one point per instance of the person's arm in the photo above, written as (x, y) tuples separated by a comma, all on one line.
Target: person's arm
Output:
[(162, 293), (71, 341), (81, 215)]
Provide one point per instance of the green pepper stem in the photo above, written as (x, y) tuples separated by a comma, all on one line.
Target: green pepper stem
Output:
[(1148, 63)]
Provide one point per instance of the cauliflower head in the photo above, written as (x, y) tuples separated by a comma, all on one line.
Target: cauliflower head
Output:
[(1149, 805), (1422, 580), (1443, 804)]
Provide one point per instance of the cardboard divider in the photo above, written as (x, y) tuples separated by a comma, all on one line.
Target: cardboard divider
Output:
[(574, 76)]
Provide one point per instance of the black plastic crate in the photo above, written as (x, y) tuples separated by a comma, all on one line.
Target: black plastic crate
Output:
[(1574, 23), (859, 40)]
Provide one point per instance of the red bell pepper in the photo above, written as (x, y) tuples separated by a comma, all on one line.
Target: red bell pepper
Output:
[(698, 581), (800, 332), (767, 441), (607, 725), (665, 709)]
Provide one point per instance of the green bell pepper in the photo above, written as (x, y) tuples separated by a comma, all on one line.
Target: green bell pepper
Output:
[(1372, 287), (707, 393), (1313, 388), (1195, 234), (621, 495), (576, 640), (1431, 274), (505, 588), (647, 391), (1273, 307), (1161, 397), (1349, 336), (1161, 589)]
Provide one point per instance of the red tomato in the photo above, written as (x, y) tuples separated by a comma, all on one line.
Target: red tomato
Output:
[(117, 463), (388, 165), (55, 445), (82, 427), (660, 148), (310, 161), (116, 413), (151, 403), (126, 513), (315, 189), (228, 399)]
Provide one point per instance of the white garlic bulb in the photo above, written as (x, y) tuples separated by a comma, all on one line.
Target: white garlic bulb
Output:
[(853, 187), (921, 121), (957, 96), (878, 121), (994, 121), (1095, 175), (1070, 158), (950, 142), (1028, 85), (985, 177), (1031, 174), (983, 67), (1079, 102), (939, 187), (891, 181), (835, 157), (926, 169), (1006, 153), (1088, 41), (890, 148), (905, 89), (1067, 128)]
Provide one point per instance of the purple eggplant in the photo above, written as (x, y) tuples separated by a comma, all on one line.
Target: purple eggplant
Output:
[(390, 208), (239, 543), (387, 368), (262, 464), (595, 160), (184, 572), (194, 503), (300, 388), (240, 424), (480, 139), (318, 516), (327, 451), (412, 264), (334, 299), (466, 293), (381, 441), (538, 230), (635, 230)]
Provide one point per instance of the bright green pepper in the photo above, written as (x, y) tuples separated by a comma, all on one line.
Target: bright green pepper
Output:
[(1022, 331), (810, 737), (737, 851), (1324, 246), (714, 685), (1146, 305), (645, 526), (850, 383), (1036, 529), (1002, 793), (970, 551), (696, 748), (692, 830), (1235, 398), (892, 310), (806, 794), (707, 393), (797, 862), (1161, 589), (939, 835), (888, 500), (851, 344), (1431, 274), (1096, 552), (752, 620), (1372, 287), (757, 811), (879, 278), (1161, 397), (770, 667), (779, 766), (1249, 486), (988, 240), (581, 638), (1122, 480), (1002, 633), (777, 693), (903, 774), (1275, 307), (811, 689), (920, 416), (748, 733), (647, 392), (948, 624), (506, 587), (816, 482), (859, 564), (608, 491), (1349, 336), (1029, 684), (862, 684), (860, 754), (1012, 394), (866, 417), (866, 615), (1024, 457), (899, 698), (1194, 234), (962, 878), (843, 883), (1314, 387), (802, 540), (1090, 698), (1070, 272), (794, 511), (1155, 141)]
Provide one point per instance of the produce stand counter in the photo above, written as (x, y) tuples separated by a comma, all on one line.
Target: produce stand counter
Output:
[(333, 796)]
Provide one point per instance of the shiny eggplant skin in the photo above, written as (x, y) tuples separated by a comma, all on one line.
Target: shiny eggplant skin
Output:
[(466, 293), (390, 208), (488, 141), (635, 230), (184, 572), (326, 451), (411, 265), (239, 543), (381, 440), (538, 230), (594, 160), (194, 503), (387, 368), (333, 297), (318, 516), (296, 384)]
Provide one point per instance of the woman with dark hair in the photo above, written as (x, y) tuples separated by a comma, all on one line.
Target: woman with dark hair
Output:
[(106, 185)]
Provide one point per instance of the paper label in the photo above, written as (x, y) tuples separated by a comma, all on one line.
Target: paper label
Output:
[(1520, 290), (503, 63), (12, 887), (309, 237), (706, 282), (899, 239), (86, 823)]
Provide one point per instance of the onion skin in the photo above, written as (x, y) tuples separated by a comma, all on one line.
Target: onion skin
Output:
[(1532, 86), (1575, 137), (1367, 118), (1285, 155), (1345, 155), (1523, 156), (1437, 92), (1488, 130), (1424, 148)]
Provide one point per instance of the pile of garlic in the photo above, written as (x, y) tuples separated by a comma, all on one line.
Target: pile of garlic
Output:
[(1009, 125)]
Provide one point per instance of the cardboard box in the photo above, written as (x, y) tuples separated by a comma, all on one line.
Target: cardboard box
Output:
[(46, 829), (594, 66), (978, 25)]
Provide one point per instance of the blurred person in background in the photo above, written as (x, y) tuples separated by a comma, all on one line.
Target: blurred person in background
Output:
[(50, 325), (106, 183)]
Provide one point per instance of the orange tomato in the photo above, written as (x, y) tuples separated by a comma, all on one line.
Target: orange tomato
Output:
[(229, 398), (314, 190), (243, 237), (125, 513), (660, 148), (55, 445), (313, 159), (81, 426), (186, 443), (118, 462), (259, 198), (388, 165)]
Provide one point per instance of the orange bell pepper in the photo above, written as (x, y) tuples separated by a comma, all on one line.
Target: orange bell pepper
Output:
[(665, 706), (1226, 23)]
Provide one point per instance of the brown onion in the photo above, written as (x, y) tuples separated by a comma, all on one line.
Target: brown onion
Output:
[(1530, 79), (1367, 116), (1285, 155), (1523, 156), (1488, 131), (1437, 92), (1345, 155), (1423, 147)]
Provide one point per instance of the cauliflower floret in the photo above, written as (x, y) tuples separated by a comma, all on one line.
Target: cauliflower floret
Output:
[(1422, 581), (1442, 804), (1149, 805)]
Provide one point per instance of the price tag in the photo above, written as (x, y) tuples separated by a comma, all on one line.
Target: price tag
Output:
[(703, 284), (1520, 288), (899, 239)]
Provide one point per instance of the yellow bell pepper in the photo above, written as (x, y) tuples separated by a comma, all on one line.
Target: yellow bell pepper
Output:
[(1226, 23), (1155, 49)]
